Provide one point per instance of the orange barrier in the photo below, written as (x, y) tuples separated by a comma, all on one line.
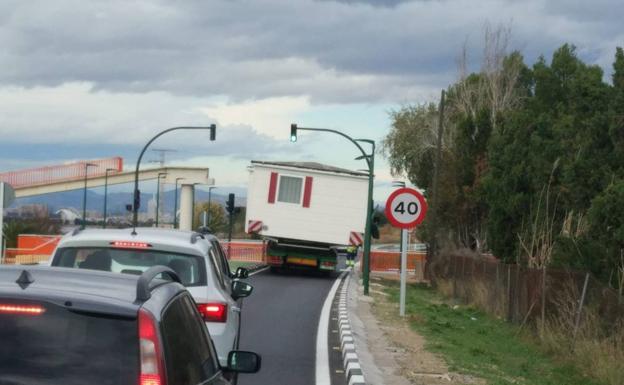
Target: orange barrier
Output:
[(245, 251), (391, 260), (37, 248)]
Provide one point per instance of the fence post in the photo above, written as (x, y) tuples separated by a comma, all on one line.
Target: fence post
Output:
[(454, 259), (580, 308), (463, 277), (509, 310), (543, 296)]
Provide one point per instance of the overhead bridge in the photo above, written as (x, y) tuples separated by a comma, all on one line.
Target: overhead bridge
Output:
[(67, 177)]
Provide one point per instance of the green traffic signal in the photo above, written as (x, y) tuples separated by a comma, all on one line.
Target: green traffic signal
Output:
[(293, 132)]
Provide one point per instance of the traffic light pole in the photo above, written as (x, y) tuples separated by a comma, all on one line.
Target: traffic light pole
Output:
[(137, 194), (370, 161)]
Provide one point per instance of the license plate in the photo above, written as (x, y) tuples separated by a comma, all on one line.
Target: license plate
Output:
[(301, 261)]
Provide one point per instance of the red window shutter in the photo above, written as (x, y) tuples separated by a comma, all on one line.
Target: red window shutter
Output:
[(272, 187), (307, 191)]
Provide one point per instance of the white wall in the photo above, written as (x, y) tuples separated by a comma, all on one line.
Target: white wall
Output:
[(337, 206)]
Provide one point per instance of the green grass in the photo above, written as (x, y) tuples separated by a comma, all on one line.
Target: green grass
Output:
[(474, 343), (236, 264)]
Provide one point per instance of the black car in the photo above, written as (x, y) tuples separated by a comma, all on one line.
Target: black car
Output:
[(71, 327)]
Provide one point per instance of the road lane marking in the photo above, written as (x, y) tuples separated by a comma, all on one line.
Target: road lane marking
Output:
[(322, 334)]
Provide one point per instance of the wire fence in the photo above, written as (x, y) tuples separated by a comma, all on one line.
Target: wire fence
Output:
[(525, 295)]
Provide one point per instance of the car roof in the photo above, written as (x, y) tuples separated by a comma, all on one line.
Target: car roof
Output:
[(86, 290), (159, 238)]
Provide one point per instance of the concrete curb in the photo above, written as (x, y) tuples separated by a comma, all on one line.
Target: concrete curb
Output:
[(353, 370)]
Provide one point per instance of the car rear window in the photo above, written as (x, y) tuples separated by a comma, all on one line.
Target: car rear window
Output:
[(57, 346), (190, 269)]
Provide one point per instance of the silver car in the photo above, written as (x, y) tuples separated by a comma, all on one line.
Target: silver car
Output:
[(197, 258)]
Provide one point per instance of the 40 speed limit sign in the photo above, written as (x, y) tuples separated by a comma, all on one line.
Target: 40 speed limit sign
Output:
[(406, 208)]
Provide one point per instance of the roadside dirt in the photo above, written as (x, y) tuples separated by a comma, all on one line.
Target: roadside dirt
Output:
[(413, 363)]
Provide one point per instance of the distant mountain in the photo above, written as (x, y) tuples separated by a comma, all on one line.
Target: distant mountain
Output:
[(117, 201)]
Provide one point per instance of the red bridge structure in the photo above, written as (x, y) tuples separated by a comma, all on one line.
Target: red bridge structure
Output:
[(60, 173)]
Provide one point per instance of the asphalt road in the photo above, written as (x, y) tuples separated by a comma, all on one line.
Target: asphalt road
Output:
[(280, 320)]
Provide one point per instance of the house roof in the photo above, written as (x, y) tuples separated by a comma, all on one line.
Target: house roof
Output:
[(311, 166)]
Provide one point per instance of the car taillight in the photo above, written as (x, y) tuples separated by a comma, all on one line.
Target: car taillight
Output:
[(152, 368), (213, 312), (21, 309)]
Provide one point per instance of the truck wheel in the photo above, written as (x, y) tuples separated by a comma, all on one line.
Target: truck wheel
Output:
[(276, 270)]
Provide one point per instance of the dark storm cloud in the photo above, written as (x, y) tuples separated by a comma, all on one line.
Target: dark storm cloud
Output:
[(332, 51)]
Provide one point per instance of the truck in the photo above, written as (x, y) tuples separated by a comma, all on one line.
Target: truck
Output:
[(306, 212)]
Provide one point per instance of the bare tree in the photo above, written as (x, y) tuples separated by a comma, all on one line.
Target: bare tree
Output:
[(495, 88)]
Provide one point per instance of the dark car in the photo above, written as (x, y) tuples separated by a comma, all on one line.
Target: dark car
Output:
[(71, 327)]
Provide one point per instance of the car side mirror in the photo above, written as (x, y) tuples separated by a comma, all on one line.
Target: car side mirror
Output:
[(243, 362), (242, 273), (241, 289)]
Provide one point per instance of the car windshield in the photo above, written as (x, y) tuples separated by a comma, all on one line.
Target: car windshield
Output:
[(43, 344), (190, 269)]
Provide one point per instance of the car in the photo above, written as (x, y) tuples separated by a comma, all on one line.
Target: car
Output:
[(75, 326), (197, 258)]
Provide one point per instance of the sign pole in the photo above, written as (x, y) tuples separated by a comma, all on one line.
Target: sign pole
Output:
[(2, 222), (403, 270), (405, 208)]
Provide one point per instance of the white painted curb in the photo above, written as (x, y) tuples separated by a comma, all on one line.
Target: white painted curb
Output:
[(353, 370), (322, 374)]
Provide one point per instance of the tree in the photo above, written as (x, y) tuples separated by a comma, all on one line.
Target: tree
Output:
[(217, 218)]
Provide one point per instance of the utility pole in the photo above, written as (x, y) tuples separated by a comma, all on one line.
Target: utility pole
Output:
[(230, 208), (162, 155), (433, 244)]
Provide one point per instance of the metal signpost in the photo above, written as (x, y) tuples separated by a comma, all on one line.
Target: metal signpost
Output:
[(405, 208), (7, 195)]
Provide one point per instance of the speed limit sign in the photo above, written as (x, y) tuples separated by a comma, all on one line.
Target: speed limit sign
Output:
[(406, 208)]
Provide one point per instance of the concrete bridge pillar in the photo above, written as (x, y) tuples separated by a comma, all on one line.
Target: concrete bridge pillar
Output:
[(186, 207)]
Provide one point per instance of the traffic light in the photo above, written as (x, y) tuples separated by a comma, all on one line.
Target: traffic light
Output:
[(229, 205), (293, 132), (213, 132), (137, 200), (375, 227)]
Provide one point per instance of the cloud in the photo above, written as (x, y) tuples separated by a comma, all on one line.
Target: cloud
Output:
[(326, 51)]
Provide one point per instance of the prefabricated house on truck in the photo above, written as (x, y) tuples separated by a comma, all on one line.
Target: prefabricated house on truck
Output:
[(306, 211)]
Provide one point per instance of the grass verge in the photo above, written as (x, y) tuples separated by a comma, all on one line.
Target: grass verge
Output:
[(474, 343)]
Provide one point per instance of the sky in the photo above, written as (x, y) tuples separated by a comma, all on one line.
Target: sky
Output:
[(93, 79)]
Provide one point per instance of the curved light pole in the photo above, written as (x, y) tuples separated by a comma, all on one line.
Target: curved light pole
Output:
[(84, 194), (106, 193), (160, 174), (175, 204), (137, 194), (370, 161)]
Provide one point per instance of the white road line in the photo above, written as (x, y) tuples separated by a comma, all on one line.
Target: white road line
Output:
[(322, 349)]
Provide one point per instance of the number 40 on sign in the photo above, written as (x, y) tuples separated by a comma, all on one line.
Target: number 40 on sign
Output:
[(406, 208)]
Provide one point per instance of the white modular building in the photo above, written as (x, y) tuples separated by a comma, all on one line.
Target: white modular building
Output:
[(306, 201)]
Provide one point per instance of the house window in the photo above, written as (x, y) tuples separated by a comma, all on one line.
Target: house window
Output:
[(289, 189)]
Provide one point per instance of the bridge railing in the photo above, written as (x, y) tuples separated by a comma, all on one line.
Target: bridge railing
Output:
[(60, 173)]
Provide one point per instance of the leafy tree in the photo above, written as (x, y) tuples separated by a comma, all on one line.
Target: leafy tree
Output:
[(217, 218), (558, 139)]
